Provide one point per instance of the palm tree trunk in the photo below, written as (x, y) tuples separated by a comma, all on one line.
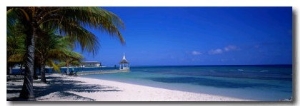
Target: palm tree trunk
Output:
[(43, 73), (27, 89), (21, 68), (37, 68), (68, 72), (35, 76), (9, 69)]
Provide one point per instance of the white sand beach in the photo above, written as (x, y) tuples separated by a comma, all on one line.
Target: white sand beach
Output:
[(67, 88)]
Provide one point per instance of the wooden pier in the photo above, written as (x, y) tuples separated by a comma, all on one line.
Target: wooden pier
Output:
[(100, 72)]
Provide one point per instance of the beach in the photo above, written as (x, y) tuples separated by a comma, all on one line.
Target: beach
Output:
[(71, 88)]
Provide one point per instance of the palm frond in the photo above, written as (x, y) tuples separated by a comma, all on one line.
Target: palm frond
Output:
[(16, 57), (72, 21), (52, 64)]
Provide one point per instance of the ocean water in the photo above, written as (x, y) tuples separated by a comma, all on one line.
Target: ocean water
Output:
[(262, 83)]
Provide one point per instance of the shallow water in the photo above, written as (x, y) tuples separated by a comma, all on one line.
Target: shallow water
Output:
[(264, 83)]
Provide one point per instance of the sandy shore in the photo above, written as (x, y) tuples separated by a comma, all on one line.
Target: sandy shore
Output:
[(66, 88)]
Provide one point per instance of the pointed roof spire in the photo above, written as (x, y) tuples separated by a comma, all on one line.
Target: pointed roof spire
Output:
[(124, 61), (124, 56)]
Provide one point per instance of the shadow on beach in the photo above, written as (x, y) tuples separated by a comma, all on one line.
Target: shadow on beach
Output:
[(56, 87)]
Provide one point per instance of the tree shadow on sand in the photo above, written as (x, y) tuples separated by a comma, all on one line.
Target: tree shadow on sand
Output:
[(64, 88)]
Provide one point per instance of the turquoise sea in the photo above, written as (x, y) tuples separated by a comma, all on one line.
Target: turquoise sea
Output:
[(255, 82)]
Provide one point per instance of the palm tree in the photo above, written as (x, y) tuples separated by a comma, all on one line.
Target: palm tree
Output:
[(70, 58), (54, 47), (71, 21), (49, 47)]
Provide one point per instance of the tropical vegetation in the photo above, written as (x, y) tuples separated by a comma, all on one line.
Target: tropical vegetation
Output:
[(42, 34)]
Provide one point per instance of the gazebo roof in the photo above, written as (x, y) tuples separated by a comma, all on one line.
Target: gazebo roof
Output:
[(124, 61)]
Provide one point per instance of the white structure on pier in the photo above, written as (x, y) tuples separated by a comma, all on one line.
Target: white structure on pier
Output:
[(90, 64), (124, 64)]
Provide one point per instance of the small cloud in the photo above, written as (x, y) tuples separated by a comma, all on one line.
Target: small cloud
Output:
[(196, 53), (225, 49), (216, 51), (230, 48)]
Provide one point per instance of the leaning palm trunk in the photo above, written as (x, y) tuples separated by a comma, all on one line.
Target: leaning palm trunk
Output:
[(27, 89)]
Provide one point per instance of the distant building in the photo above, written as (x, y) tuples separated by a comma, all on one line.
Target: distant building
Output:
[(91, 64), (124, 64)]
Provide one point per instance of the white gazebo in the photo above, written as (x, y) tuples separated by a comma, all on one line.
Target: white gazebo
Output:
[(124, 64)]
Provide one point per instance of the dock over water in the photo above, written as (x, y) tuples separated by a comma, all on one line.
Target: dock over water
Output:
[(100, 72)]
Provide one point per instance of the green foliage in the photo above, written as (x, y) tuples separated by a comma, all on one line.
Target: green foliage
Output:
[(38, 26), (15, 43), (71, 21)]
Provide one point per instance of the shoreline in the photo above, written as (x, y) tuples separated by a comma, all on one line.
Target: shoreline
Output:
[(69, 88)]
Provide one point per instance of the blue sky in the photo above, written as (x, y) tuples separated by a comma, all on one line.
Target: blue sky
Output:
[(199, 36)]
